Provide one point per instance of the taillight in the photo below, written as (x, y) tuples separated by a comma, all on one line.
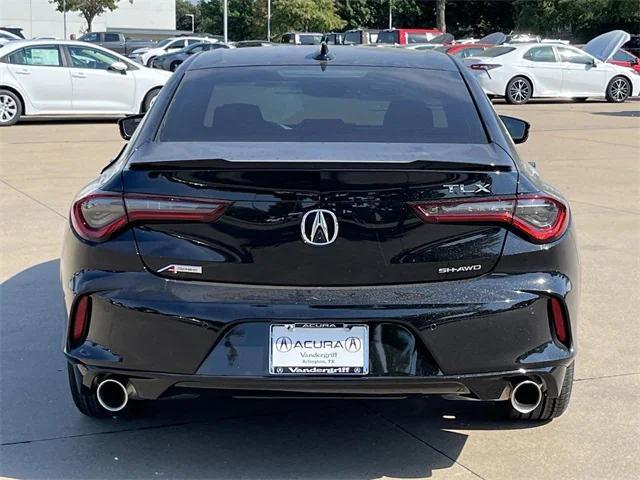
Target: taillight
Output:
[(484, 66), (558, 320), (80, 319), (541, 218), (99, 215)]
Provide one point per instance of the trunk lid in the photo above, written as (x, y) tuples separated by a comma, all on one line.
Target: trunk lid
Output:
[(260, 239)]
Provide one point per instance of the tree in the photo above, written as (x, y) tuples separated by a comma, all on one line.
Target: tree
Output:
[(578, 20), (357, 13), (295, 15), (240, 17), (183, 9), (89, 9), (440, 15), (304, 15)]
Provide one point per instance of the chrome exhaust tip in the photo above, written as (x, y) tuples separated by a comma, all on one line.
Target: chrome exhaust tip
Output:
[(112, 395), (526, 396)]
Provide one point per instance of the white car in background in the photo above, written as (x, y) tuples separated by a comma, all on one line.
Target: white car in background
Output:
[(520, 72), (6, 37), (146, 55), (68, 78)]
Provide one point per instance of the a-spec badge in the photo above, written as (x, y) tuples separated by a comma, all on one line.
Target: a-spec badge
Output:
[(193, 269)]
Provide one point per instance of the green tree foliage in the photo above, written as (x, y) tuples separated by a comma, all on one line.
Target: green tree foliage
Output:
[(579, 20), (358, 13), (477, 18), (184, 8), (304, 15), (89, 9), (240, 20)]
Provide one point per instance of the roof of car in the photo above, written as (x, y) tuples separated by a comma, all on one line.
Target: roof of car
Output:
[(534, 44), (44, 41), (340, 55)]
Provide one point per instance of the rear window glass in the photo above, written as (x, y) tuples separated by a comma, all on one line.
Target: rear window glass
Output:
[(417, 38), (310, 39), (387, 37), (352, 37), (497, 51), (307, 104)]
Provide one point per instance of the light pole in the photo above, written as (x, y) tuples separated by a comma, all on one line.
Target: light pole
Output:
[(390, 14), (64, 19), (193, 21), (268, 20), (225, 19)]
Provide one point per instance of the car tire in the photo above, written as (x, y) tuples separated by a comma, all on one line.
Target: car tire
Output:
[(550, 407), (618, 90), (150, 62), (518, 91), (149, 99), (85, 399), (174, 66), (10, 108)]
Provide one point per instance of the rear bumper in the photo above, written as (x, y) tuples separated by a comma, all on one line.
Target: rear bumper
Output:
[(465, 337), (487, 386), (468, 337), (492, 83)]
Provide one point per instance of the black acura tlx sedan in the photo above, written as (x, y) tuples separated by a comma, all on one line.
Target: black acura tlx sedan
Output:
[(298, 222)]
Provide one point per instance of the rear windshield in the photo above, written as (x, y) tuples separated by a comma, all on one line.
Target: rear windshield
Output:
[(497, 51), (352, 37), (387, 37), (310, 39), (309, 104)]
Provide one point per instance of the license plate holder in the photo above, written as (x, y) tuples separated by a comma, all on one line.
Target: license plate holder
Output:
[(319, 349)]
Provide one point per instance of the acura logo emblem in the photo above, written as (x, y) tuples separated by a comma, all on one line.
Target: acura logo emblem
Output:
[(319, 227), (353, 344), (284, 344)]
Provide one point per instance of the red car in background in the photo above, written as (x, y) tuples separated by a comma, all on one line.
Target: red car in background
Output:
[(407, 36), (626, 59), (464, 50)]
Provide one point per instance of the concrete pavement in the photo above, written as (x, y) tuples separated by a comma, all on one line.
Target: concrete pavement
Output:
[(589, 151)]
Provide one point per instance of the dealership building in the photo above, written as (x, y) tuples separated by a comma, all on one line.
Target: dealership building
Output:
[(39, 18)]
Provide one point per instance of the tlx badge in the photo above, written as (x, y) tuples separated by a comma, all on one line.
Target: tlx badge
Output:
[(478, 187)]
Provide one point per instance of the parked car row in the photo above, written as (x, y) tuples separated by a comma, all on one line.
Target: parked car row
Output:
[(45, 78), (392, 36)]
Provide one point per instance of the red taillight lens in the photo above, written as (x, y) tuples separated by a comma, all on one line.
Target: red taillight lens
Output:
[(541, 218), (159, 208), (484, 66), (80, 319), (558, 320), (98, 216)]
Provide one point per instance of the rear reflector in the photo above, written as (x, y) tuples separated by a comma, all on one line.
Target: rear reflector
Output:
[(80, 319), (99, 215), (558, 320), (539, 217)]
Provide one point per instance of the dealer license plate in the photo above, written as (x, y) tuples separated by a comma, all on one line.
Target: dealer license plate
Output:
[(319, 349)]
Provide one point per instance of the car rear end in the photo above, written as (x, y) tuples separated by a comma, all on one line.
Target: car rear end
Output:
[(301, 230), (493, 68)]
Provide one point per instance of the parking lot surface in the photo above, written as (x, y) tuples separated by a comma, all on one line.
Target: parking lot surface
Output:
[(590, 151)]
